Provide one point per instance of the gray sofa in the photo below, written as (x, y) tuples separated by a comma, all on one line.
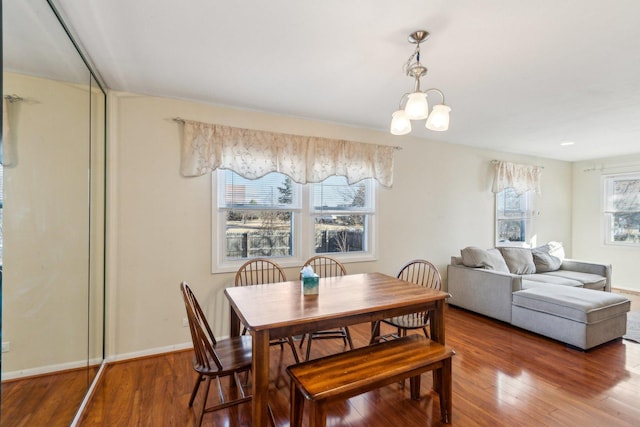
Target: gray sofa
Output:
[(541, 291)]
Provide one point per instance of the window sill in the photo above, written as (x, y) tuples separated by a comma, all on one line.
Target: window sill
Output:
[(232, 267)]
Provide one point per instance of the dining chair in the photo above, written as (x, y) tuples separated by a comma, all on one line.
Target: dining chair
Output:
[(423, 273), (326, 266), (261, 271), (215, 359)]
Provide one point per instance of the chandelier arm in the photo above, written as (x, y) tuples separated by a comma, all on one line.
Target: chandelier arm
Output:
[(433, 89), (403, 101)]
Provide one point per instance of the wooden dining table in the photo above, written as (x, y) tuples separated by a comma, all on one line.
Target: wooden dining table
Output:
[(280, 310)]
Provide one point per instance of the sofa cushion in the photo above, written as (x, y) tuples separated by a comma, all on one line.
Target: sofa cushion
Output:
[(581, 305), (548, 257), (589, 281), (489, 259), (548, 279), (519, 260), (528, 284)]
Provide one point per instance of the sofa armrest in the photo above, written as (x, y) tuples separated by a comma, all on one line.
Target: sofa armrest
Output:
[(589, 267), (487, 292)]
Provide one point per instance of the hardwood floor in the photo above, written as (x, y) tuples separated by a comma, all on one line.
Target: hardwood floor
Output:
[(502, 376), (35, 401), (632, 296)]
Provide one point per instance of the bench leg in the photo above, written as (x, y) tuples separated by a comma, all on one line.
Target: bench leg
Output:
[(442, 386), (318, 414), (297, 406)]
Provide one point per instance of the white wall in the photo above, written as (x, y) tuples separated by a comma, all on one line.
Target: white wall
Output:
[(160, 223), (588, 219), (45, 227)]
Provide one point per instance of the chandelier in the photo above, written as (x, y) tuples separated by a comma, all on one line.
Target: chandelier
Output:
[(414, 106)]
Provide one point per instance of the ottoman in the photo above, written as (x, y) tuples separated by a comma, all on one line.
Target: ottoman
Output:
[(580, 317)]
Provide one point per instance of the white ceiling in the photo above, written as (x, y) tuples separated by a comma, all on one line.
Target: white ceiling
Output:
[(520, 76)]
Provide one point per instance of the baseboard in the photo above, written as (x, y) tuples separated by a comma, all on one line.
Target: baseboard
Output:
[(148, 352), (48, 369), (626, 291)]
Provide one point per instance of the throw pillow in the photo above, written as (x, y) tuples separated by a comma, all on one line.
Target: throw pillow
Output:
[(490, 259), (519, 260), (548, 257)]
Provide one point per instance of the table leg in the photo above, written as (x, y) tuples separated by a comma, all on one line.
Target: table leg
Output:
[(260, 386), (436, 322), (234, 322)]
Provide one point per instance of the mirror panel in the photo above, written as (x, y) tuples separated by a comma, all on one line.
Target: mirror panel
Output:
[(36, 44), (53, 219)]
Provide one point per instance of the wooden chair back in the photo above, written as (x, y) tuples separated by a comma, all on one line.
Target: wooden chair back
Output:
[(259, 271), (421, 272), (206, 359), (326, 266)]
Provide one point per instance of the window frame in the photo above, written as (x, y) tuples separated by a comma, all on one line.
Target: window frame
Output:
[(303, 231), (608, 210)]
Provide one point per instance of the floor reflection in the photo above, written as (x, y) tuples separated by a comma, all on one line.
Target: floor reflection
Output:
[(37, 401)]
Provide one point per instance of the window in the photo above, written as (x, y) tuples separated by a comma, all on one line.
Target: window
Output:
[(258, 216), (342, 215), (273, 216), (622, 209), (513, 217)]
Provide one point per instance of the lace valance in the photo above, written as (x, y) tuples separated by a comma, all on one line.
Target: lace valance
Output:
[(521, 178), (254, 153)]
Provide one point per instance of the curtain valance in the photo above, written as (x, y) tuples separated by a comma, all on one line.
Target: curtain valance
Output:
[(521, 178), (254, 153)]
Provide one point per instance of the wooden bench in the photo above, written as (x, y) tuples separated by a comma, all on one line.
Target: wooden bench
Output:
[(344, 375)]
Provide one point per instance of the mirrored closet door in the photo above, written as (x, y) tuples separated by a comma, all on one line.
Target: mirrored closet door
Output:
[(53, 218)]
